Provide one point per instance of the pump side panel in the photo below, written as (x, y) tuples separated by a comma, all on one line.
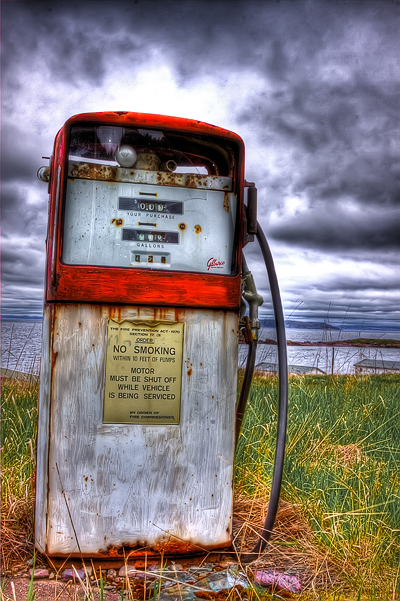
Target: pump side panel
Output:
[(42, 447), (146, 488)]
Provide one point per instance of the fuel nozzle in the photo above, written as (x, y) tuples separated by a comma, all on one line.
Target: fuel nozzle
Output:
[(254, 300)]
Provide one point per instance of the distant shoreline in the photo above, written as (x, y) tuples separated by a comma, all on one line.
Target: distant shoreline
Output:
[(268, 324), (355, 342)]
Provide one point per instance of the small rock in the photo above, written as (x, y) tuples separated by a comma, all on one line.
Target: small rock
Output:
[(30, 562), (132, 572), (109, 587), (39, 573), (175, 567), (199, 570), (88, 570), (171, 579), (111, 573), (73, 575), (225, 565), (51, 576), (127, 571)]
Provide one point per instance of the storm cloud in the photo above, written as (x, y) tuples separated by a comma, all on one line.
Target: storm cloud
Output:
[(313, 88)]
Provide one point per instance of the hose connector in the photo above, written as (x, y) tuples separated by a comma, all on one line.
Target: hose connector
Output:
[(254, 300)]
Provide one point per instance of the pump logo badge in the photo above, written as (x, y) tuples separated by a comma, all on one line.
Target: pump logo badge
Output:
[(214, 264)]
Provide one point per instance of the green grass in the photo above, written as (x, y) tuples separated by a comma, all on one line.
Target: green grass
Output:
[(342, 469), (341, 472), (18, 448), (18, 436)]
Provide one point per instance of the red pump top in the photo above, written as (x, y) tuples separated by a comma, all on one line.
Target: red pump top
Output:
[(145, 209)]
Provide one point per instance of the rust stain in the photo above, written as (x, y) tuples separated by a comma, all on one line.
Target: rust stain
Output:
[(114, 312), (148, 161), (226, 202), (171, 547), (181, 179), (192, 181), (56, 283), (197, 229), (54, 359), (182, 226), (190, 371), (188, 180), (92, 171), (117, 222), (161, 313), (179, 315), (138, 560)]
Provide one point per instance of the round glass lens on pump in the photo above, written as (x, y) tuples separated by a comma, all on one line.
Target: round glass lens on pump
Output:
[(126, 156)]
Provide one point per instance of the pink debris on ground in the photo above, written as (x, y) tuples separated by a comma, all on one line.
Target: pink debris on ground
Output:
[(278, 581), (39, 573)]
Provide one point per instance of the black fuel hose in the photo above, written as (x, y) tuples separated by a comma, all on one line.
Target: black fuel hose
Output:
[(283, 396), (244, 393)]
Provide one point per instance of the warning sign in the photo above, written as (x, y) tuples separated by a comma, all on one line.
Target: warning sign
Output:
[(143, 372)]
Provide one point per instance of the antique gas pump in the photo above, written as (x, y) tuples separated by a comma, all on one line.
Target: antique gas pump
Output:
[(147, 221)]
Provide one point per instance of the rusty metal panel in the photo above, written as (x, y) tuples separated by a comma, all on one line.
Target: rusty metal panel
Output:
[(102, 172), (142, 487)]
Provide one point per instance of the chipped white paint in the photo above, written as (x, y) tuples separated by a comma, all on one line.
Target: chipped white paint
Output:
[(125, 484)]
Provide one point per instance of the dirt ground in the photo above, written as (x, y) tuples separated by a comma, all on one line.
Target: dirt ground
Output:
[(16, 589), (291, 550)]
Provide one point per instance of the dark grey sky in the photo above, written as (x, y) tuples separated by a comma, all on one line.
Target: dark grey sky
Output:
[(312, 86)]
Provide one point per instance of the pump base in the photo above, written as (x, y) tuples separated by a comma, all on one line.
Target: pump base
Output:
[(59, 563)]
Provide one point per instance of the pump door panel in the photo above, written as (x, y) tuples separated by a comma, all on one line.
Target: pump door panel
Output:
[(149, 227)]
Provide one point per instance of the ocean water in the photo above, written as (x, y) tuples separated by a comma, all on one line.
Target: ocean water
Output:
[(21, 344), (339, 360)]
